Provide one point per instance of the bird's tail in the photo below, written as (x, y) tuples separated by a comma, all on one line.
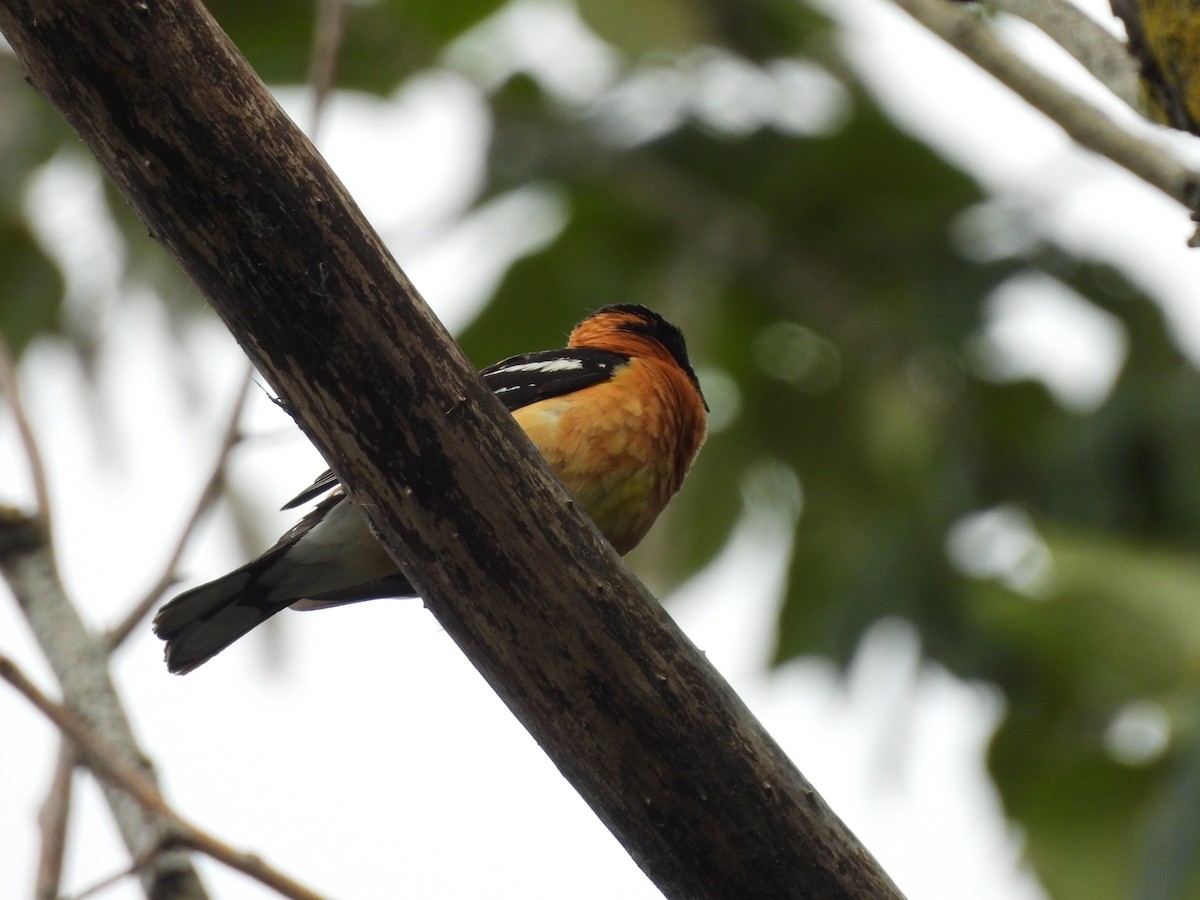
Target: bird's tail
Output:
[(328, 559), (200, 623)]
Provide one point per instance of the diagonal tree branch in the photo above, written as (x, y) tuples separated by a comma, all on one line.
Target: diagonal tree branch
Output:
[(114, 770), (1099, 51), (630, 711)]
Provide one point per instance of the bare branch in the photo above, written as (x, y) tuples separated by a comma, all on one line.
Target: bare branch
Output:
[(53, 817), (208, 495), (10, 387), (80, 663), (1085, 123), (323, 60), (1096, 49), (108, 763), (112, 880)]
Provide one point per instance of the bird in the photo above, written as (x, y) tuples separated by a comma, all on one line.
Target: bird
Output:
[(618, 415)]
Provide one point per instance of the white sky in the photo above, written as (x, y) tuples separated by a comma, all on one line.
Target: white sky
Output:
[(371, 760)]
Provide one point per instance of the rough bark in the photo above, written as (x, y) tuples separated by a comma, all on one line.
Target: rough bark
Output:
[(633, 715)]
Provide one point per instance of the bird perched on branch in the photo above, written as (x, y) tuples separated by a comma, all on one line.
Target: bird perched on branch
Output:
[(618, 415)]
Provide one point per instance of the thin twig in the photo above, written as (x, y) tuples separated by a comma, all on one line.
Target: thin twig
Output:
[(143, 860), (53, 817), (208, 495), (323, 60), (107, 764), (10, 387), (1085, 123), (105, 883), (1098, 50)]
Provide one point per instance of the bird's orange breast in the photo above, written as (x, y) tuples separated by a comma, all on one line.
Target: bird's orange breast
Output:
[(623, 447)]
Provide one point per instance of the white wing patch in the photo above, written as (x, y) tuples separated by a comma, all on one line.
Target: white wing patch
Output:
[(545, 366)]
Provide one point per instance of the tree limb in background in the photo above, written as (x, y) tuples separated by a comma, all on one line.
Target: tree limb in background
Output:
[(1098, 50), (111, 766), (1085, 123), (629, 710), (10, 388), (55, 811), (328, 31), (80, 663), (53, 816)]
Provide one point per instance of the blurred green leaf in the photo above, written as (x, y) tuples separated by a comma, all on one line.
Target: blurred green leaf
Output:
[(31, 289), (1116, 625), (757, 29), (644, 26), (382, 44)]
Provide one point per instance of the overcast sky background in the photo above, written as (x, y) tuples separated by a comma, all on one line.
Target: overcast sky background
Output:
[(367, 758)]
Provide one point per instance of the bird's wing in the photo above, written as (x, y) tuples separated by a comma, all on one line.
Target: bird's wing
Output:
[(522, 380), (326, 481), (518, 381)]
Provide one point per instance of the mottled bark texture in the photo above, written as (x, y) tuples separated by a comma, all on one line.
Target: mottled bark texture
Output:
[(630, 712)]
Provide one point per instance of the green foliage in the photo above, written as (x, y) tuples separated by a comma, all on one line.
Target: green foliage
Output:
[(31, 289), (758, 29), (832, 312), (1116, 628), (383, 42)]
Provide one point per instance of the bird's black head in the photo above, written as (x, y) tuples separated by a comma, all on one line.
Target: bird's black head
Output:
[(637, 319)]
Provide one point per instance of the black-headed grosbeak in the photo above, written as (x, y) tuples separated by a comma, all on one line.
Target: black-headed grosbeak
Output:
[(618, 415)]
